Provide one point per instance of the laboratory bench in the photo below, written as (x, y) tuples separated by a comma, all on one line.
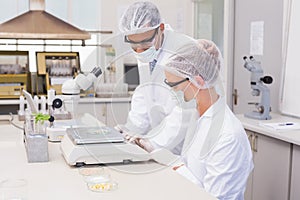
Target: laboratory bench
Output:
[(82, 100), (276, 157), (57, 180), (111, 111)]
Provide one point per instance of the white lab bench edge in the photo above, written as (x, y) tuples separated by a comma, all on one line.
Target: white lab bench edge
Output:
[(290, 136), (56, 180), (82, 100)]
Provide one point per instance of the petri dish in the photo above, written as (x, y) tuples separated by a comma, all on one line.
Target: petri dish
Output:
[(13, 189), (98, 179), (98, 184)]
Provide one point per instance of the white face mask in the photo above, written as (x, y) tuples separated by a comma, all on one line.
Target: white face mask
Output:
[(180, 100), (148, 55)]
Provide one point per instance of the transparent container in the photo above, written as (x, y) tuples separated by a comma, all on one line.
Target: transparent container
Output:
[(13, 189), (39, 127), (98, 179), (35, 140)]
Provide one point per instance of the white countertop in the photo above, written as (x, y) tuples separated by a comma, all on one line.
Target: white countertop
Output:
[(291, 136), (82, 100), (104, 100), (56, 180)]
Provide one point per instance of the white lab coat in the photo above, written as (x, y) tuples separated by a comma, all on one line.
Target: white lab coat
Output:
[(153, 101), (217, 154)]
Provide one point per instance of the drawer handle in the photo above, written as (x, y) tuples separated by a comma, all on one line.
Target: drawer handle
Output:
[(254, 143)]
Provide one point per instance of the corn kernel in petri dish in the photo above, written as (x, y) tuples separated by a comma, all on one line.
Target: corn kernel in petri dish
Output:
[(98, 179), (102, 187)]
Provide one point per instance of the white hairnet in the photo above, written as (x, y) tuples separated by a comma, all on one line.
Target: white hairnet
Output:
[(202, 58), (140, 17)]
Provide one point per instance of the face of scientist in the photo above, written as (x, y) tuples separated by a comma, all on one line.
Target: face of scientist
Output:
[(181, 84), (143, 41), (204, 97)]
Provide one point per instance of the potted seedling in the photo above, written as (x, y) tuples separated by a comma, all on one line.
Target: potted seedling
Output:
[(39, 122)]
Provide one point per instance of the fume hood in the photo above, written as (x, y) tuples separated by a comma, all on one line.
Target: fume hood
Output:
[(39, 24)]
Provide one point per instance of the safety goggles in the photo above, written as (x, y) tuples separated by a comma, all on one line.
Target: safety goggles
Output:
[(173, 84), (143, 42)]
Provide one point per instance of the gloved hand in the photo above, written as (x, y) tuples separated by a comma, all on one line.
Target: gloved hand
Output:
[(132, 138), (144, 143), (123, 130)]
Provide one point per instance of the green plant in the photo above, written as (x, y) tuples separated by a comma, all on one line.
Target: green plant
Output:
[(39, 117)]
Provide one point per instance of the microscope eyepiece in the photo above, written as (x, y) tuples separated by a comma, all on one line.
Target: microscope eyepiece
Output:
[(267, 79), (57, 103)]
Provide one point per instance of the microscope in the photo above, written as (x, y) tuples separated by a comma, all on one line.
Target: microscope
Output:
[(257, 86), (71, 88), (63, 107)]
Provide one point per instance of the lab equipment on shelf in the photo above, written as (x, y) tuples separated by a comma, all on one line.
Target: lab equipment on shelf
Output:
[(110, 71), (54, 68), (14, 74), (109, 90), (257, 82)]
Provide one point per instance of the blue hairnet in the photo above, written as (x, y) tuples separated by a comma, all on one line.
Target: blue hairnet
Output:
[(140, 17)]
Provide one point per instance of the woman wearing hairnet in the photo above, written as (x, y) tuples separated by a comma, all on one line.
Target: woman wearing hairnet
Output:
[(216, 153), (155, 114)]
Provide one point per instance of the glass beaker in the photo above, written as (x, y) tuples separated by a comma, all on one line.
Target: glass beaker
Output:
[(13, 189)]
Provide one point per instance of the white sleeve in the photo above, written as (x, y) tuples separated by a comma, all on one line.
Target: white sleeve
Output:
[(171, 132), (165, 157), (185, 172), (138, 119), (228, 167)]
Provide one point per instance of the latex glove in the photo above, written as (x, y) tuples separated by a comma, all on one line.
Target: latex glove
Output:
[(123, 130), (132, 138), (144, 143), (128, 136)]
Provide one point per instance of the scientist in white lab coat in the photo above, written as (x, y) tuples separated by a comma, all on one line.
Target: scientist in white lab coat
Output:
[(156, 115), (216, 153)]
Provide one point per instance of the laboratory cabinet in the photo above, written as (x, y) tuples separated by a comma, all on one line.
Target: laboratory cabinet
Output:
[(111, 113), (295, 175), (271, 174)]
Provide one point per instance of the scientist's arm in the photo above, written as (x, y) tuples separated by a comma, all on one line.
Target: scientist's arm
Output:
[(227, 169), (138, 120), (185, 172), (171, 132), (168, 134)]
